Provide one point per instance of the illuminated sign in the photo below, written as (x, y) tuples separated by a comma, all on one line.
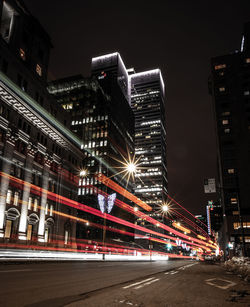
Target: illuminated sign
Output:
[(102, 76), (110, 202)]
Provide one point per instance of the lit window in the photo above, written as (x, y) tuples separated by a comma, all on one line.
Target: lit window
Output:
[(222, 89), (235, 212), (248, 60), (147, 137), (39, 70), (22, 54), (8, 227), (30, 203), (8, 197), (16, 198), (51, 210), (246, 93), (29, 232), (35, 204), (233, 201), (226, 113), (46, 209), (225, 122), (230, 171), (66, 237), (227, 130), (220, 66)]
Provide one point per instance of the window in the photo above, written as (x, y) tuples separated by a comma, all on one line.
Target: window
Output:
[(8, 227), (46, 209), (227, 130), (51, 210), (222, 89), (225, 122), (66, 237), (220, 66), (226, 113), (30, 203), (46, 235), (247, 60), (39, 70), (233, 201), (22, 54), (35, 204), (29, 232), (16, 198), (246, 93), (230, 171), (8, 197)]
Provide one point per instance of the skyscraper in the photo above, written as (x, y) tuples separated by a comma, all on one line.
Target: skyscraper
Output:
[(230, 87), (148, 103)]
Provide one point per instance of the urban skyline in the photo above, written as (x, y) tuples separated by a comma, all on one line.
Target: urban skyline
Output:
[(201, 43), (95, 170)]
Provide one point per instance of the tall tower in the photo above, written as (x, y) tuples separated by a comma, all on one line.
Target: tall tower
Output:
[(230, 89), (148, 103)]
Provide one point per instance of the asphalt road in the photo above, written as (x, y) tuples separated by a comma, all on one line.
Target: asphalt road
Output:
[(163, 283)]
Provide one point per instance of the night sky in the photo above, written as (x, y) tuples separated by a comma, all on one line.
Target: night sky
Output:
[(179, 37)]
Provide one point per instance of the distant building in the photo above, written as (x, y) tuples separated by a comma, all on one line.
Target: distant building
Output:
[(39, 157), (230, 88)]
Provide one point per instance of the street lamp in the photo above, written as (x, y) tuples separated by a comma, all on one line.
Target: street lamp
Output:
[(165, 208), (83, 173), (131, 167)]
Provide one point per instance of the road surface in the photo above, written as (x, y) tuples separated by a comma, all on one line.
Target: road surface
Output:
[(162, 283)]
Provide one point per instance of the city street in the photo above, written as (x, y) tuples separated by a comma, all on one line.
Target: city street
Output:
[(162, 283)]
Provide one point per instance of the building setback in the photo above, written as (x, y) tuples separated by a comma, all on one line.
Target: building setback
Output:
[(230, 88), (40, 157)]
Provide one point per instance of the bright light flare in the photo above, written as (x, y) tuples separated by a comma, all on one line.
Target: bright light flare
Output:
[(83, 173), (131, 168)]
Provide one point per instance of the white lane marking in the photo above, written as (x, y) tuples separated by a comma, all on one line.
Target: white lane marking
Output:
[(229, 283), (174, 272), (147, 283), (10, 271), (166, 273), (138, 283), (186, 266)]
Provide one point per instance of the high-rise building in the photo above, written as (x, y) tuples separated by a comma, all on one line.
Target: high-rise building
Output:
[(230, 87), (148, 103), (103, 119)]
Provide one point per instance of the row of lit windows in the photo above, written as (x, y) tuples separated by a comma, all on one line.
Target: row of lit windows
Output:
[(32, 203), (223, 66), (148, 190), (150, 122), (96, 144), (245, 225), (86, 191), (89, 120), (148, 174)]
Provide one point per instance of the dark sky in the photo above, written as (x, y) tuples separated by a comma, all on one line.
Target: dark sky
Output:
[(179, 37)]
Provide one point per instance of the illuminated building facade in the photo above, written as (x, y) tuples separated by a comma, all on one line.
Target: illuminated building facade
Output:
[(230, 88), (40, 157), (104, 121), (148, 103)]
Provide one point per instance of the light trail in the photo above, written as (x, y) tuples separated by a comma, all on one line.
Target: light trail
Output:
[(77, 205)]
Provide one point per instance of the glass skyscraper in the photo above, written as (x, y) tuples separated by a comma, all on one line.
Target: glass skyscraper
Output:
[(148, 104)]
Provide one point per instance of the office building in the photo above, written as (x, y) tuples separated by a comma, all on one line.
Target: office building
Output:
[(230, 88), (148, 103)]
